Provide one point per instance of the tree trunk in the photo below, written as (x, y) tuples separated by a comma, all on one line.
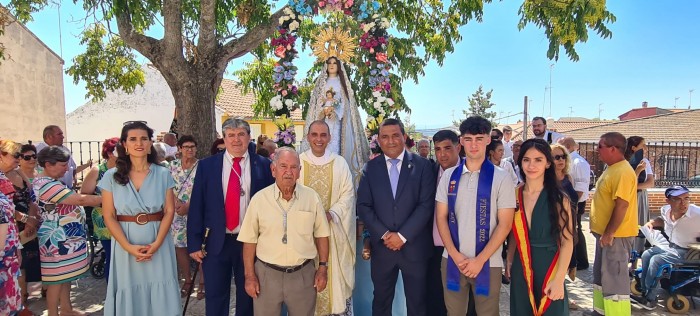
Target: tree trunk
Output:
[(194, 98)]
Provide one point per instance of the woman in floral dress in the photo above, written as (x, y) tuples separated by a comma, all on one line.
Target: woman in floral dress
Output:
[(183, 171), (62, 241), (10, 294)]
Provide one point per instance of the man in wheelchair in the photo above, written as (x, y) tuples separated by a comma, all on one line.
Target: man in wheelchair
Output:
[(681, 222)]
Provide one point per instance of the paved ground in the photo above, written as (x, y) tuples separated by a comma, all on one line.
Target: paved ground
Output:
[(88, 294)]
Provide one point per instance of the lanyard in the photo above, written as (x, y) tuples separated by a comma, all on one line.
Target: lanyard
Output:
[(284, 217)]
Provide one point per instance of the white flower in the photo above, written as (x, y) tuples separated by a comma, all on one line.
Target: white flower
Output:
[(276, 102), (376, 94), (377, 105), (370, 118), (288, 102), (390, 101), (385, 23), (381, 99), (293, 26), (368, 27), (374, 16)]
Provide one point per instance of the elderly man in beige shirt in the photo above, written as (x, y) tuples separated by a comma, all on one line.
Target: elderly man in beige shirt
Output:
[(285, 229)]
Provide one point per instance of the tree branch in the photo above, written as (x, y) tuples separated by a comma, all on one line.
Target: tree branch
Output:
[(251, 40), (172, 39), (207, 26), (148, 47)]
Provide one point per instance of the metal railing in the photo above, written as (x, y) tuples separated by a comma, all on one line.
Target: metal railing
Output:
[(672, 162)]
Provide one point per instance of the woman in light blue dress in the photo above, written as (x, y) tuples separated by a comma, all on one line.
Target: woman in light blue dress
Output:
[(138, 209)]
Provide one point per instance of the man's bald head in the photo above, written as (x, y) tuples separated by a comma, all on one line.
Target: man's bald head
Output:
[(569, 143)]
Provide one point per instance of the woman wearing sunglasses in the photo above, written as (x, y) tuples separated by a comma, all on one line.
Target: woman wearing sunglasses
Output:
[(27, 161), (17, 187)]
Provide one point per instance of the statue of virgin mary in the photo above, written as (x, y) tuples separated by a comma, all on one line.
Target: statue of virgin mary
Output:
[(333, 100)]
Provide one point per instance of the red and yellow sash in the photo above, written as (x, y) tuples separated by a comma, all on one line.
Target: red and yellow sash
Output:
[(522, 237)]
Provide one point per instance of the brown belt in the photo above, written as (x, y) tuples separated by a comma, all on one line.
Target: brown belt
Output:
[(141, 218)]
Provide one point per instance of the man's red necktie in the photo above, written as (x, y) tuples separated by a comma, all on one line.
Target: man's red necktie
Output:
[(233, 196)]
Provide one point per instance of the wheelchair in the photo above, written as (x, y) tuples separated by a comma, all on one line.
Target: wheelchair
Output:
[(98, 257), (680, 281)]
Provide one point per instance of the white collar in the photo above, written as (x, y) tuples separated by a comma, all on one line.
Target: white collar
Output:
[(230, 157), (400, 157), (326, 158)]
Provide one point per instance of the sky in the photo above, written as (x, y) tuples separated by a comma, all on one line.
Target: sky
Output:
[(653, 56)]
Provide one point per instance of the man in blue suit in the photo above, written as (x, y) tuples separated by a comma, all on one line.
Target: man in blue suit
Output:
[(395, 200), (223, 187)]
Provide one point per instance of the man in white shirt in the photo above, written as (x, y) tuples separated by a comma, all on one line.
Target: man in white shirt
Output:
[(53, 136), (681, 222), (170, 140), (507, 141), (539, 128), (581, 173)]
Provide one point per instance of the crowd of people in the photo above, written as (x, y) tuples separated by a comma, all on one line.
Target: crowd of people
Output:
[(306, 233)]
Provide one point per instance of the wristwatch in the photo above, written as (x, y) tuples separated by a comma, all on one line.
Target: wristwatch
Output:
[(323, 264), (24, 218)]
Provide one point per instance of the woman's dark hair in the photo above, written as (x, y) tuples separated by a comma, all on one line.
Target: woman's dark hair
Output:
[(214, 146), (52, 155), (186, 139), (27, 147), (633, 141), (121, 176), (492, 146), (340, 75), (555, 193)]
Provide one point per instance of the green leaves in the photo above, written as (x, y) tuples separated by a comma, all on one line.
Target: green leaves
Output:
[(107, 64), (566, 22)]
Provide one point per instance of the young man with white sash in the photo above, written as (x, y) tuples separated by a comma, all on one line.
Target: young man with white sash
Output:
[(475, 203)]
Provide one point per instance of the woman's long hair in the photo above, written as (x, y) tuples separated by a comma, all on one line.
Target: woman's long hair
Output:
[(121, 176), (552, 186), (632, 141)]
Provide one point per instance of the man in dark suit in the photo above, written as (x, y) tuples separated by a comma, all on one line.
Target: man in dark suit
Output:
[(223, 187), (395, 200)]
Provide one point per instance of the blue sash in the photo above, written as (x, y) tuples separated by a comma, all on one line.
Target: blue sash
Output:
[(483, 221)]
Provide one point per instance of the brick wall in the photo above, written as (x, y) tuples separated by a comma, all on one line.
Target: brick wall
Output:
[(656, 199)]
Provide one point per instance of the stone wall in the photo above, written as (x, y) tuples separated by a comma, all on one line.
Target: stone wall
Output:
[(31, 86)]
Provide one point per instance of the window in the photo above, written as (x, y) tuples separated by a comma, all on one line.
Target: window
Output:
[(676, 167)]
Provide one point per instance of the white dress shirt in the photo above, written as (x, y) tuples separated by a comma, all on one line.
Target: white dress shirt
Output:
[(581, 172), (685, 229), (245, 184)]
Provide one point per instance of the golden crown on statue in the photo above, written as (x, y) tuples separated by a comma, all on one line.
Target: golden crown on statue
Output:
[(334, 42)]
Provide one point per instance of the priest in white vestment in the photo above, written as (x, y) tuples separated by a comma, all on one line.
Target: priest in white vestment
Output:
[(329, 175)]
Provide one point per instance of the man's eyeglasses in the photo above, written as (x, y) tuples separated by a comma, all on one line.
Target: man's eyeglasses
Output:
[(132, 122), (559, 157), (28, 157), (189, 147)]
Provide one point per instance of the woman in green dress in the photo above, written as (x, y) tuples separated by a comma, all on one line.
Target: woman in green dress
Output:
[(541, 242)]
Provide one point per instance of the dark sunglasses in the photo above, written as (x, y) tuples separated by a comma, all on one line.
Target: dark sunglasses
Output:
[(16, 155), (28, 157), (559, 157), (132, 122)]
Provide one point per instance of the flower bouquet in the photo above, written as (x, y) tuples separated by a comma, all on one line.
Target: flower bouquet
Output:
[(285, 136)]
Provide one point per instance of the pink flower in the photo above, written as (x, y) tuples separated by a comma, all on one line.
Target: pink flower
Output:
[(348, 3), (381, 57), (279, 51), (321, 4), (371, 50), (284, 93)]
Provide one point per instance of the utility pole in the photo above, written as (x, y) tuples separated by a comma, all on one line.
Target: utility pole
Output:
[(690, 98), (551, 66), (544, 100), (599, 110), (571, 111), (675, 102), (524, 134)]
